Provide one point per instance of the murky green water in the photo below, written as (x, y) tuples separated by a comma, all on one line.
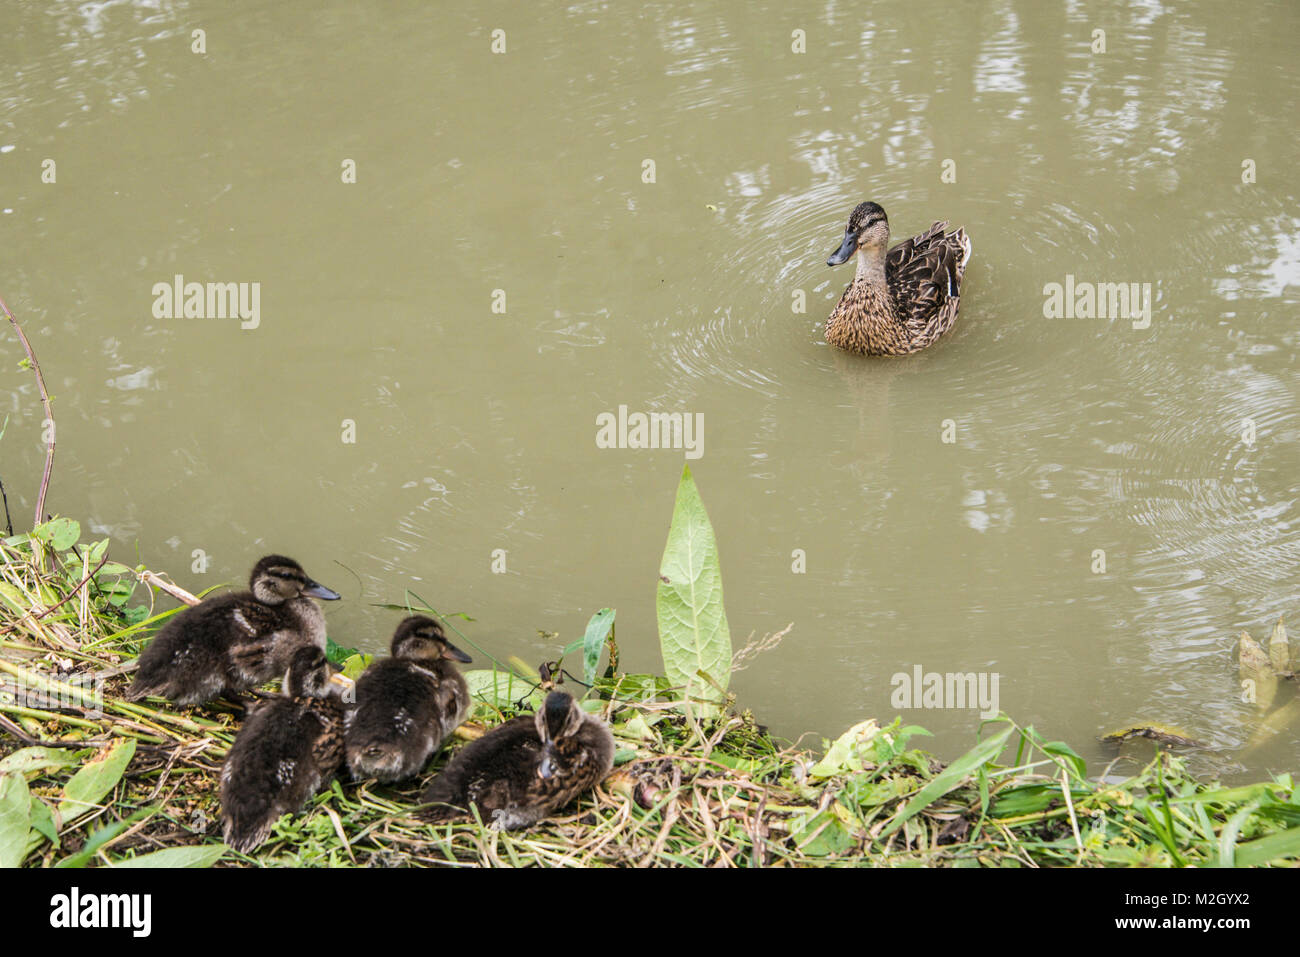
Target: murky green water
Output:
[(520, 174)]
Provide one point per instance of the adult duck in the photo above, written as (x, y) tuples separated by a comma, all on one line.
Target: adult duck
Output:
[(900, 300)]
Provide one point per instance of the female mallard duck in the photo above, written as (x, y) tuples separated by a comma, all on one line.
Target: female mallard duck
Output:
[(407, 704), (901, 301), (288, 749), (237, 641), (527, 768)]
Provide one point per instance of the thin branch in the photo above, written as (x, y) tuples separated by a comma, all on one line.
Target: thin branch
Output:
[(49, 414), (9, 524), (176, 591)]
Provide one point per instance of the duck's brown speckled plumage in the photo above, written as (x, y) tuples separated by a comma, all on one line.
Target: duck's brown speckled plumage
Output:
[(237, 641), (901, 301), (407, 704), (527, 768), (289, 748)]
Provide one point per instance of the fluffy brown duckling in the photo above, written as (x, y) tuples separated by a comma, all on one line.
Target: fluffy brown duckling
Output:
[(407, 704), (288, 749), (526, 769), (236, 641)]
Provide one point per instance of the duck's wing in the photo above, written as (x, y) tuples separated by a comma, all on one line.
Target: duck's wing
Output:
[(924, 275), (256, 652), (255, 621)]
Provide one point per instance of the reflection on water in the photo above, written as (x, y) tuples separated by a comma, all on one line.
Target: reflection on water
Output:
[(951, 505)]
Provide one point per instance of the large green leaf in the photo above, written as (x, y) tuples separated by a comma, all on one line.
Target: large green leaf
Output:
[(88, 786), (15, 819), (28, 760), (594, 641), (693, 633), (199, 855)]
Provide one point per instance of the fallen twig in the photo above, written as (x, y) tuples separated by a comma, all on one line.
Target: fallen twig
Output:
[(49, 415)]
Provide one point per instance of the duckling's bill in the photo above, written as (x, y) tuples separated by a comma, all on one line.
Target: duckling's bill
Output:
[(317, 590), (455, 654)]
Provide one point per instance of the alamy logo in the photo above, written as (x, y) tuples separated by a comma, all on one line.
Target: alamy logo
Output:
[(76, 691), (1098, 300), (953, 690), (651, 430), (75, 909), (211, 300)]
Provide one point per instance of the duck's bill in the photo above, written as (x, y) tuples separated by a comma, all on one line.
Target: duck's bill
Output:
[(846, 250), (455, 654), (343, 681), (317, 590)]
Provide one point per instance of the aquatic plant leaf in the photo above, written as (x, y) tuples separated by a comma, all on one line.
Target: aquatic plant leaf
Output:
[(28, 760), (201, 855), (847, 754), (42, 825), (1228, 839), (1062, 750), (1246, 792), (828, 836), (336, 653), (1271, 848), (500, 689), (88, 786), (950, 777), (634, 688), (594, 641), (58, 533), (12, 596), (354, 665), (1013, 802), (15, 819), (693, 632), (635, 727)]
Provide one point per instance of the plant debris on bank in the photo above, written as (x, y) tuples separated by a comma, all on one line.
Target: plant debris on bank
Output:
[(87, 778)]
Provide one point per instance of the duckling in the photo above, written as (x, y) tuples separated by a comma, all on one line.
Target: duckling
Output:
[(527, 768), (289, 748), (237, 641), (406, 704), (901, 301)]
